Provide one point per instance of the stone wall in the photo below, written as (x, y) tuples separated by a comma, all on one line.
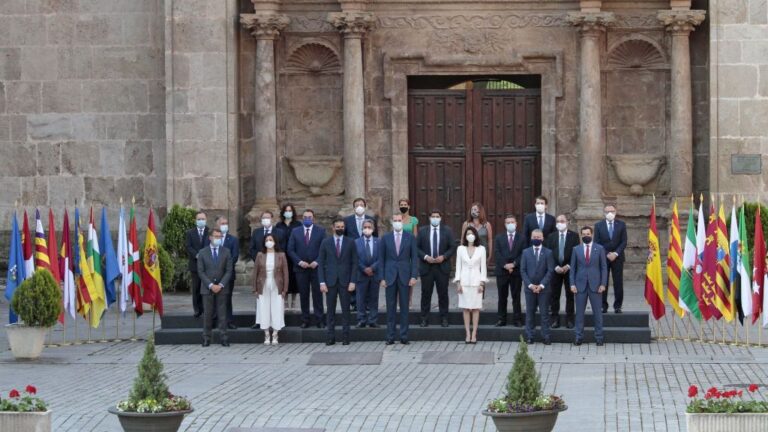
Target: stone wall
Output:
[(82, 103)]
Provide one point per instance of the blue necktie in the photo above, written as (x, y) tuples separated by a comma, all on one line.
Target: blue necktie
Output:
[(215, 254), (610, 230), (368, 254), (434, 243)]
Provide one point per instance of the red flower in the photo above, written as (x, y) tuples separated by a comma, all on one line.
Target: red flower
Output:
[(712, 390), (741, 393), (31, 389), (14, 394), (708, 396), (753, 388), (693, 391)]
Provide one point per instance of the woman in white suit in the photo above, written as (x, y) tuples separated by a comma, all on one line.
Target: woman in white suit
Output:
[(471, 276)]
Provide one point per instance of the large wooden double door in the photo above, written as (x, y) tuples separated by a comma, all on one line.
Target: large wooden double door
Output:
[(474, 145)]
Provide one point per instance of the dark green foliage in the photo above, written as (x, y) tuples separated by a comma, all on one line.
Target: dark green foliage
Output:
[(167, 269), (150, 383), (523, 384), (37, 300), (749, 217), (176, 223)]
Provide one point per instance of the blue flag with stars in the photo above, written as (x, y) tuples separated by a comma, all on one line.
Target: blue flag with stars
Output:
[(16, 272)]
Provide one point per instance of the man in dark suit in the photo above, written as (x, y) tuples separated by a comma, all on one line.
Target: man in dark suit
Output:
[(536, 268), (539, 219), (258, 234), (353, 224), (611, 234), (214, 265), (398, 257), (561, 243), (233, 245), (304, 249), (336, 272), (368, 277), (508, 248), (197, 238), (436, 246), (588, 275)]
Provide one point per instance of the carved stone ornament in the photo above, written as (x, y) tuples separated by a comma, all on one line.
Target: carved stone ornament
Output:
[(681, 21), (315, 172), (635, 54), (457, 41), (313, 58), (591, 23), (637, 170), (264, 25), (473, 21), (352, 23)]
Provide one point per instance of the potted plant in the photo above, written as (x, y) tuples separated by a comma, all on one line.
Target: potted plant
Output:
[(150, 407), (24, 412), (729, 410), (37, 301), (525, 408)]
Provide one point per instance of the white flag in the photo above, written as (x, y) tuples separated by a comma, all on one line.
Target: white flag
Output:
[(126, 275)]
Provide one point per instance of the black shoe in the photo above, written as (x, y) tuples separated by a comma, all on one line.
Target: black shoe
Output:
[(389, 342), (353, 308), (256, 326), (373, 325), (330, 342), (197, 314), (605, 310), (600, 343), (225, 344), (517, 323), (547, 341), (617, 310), (424, 323), (555, 323), (320, 325), (206, 343), (444, 322), (578, 342), (231, 326), (345, 342), (404, 342), (569, 323), (500, 323), (529, 341), (360, 325), (303, 325)]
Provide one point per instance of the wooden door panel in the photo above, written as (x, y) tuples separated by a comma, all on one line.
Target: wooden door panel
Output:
[(437, 121), (437, 182), (510, 184)]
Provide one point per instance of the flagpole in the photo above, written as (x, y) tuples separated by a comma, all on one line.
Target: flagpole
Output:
[(90, 319), (117, 311), (685, 325), (133, 337)]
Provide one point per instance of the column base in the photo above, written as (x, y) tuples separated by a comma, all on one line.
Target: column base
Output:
[(589, 209), (254, 215)]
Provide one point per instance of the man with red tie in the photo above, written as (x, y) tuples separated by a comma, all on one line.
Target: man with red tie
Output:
[(304, 249), (589, 275), (336, 272)]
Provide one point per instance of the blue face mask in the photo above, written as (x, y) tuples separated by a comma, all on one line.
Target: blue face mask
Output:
[(200, 223), (216, 242), (434, 221), (307, 222)]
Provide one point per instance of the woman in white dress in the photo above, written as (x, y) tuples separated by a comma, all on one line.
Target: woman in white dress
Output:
[(270, 284), (471, 276)]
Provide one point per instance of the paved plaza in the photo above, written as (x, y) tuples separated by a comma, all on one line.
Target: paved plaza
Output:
[(612, 388)]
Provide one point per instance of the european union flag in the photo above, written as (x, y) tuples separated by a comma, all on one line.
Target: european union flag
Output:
[(111, 269), (16, 272)]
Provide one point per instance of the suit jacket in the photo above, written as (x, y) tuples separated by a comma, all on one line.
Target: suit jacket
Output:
[(617, 243), (398, 267), (233, 244), (350, 226), (363, 261), (337, 270), (504, 255), (552, 243), (194, 244), (280, 273), (471, 271), (446, 247), (284, 233), (590, 275), (219, 271), (532, 222), (299, 251), (257, 240), (537, 272)]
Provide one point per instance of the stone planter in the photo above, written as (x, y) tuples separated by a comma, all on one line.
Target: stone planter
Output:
[(747, 422), (636, 170), (26, 342), (25, 421), (539, 421), (150, 422)]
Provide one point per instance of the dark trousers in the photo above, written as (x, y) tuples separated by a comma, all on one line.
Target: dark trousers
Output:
[(397, 293), (197, 299), (342, 293), (367, 293), (509, 283), (434, 277), (532, 302), (221, 309), (309, 284), (228, 301), (559, 283), (581, 306), (616, 273)]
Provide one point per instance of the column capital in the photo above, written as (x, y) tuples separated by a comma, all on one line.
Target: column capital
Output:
[(265, 25), (591, 23), (352, 24), (681, 22)]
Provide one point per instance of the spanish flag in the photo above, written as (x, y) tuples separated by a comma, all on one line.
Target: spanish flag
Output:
[(654, 286), (150, 280), (675, 264)]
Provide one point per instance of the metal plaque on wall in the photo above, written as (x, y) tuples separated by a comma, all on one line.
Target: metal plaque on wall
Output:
[(746, 164)]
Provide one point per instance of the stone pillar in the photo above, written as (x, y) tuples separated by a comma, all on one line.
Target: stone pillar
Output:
[(680, 23), (353, 26), (265, 27), (591, 138)]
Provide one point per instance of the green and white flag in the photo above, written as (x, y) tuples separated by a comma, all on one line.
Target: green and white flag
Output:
[(688, 300)]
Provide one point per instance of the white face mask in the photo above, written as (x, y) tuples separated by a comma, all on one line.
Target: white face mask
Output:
[(471, 238), (540, 208), (216, 242), (610, 216), (359, 210), (269, 244), (266, 222), (562, 226), (397, 226), (224, 228), (511, 227), (367, 232), (288, 214)]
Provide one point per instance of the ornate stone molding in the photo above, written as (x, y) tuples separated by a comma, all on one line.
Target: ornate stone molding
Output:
[(591, 23), (457, 41), (352, 24), (473, 21), (264, 25), (313, 24), (644, 21), (681, 21)]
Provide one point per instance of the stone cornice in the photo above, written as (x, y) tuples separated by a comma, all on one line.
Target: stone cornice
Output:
[(591, 23), (681, 22), (264, 25), (352, 24)]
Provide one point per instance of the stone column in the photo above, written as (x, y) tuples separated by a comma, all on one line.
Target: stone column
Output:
[(353, 26), (265, 27), (591, 140), (680, 24)]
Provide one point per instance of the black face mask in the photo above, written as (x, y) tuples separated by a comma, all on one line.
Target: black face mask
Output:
[(536, 242), (404, 209), (587, 239), (339, 232)]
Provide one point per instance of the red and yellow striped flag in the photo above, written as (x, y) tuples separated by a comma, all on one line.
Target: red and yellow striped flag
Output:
[(42, 261), (674, 264), (654, 286), (722, 277)]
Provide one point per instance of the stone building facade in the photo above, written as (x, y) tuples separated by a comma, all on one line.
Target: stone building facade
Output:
[(234, 106)]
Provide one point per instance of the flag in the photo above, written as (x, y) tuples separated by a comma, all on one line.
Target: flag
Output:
[(723, 300), (41, 246), (150, 281), (111, 270), (758, 271), (708, 282), (675, 265), (654, 288), (735, 276), (16, 268), (53, 256), (744, 267), (688, 300), (134, 263), (699, 275), (26, 244), (93, 254), (126, 273), (92, 302), (67, 270)]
